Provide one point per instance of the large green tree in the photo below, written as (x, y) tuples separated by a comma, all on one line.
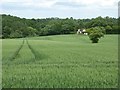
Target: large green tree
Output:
[(13, 26)]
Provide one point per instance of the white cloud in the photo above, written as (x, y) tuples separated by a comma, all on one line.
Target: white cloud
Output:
[(50, 3), (32, 3), (60, 8), (104, 3)]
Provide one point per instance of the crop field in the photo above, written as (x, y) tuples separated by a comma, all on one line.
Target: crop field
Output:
[(0, 64), (60, 61)]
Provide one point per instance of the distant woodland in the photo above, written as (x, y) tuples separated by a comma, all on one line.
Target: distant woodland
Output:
[(15, 27)]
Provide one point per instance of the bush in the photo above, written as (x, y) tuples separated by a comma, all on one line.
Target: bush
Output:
[(95, 34)]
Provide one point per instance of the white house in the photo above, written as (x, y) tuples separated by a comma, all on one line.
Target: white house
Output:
[(82, 31)]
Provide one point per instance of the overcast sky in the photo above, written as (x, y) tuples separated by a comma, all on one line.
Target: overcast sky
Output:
[(60, 8)]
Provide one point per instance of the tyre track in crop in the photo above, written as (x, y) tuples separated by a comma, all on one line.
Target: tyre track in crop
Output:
[(25, 45), (12, 57), (25, 56), (17, 52), (34, 52)]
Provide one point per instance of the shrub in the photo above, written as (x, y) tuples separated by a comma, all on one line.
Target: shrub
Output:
[(95, 34)]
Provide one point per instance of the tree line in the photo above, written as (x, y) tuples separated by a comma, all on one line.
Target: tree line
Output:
[(15, 27)]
